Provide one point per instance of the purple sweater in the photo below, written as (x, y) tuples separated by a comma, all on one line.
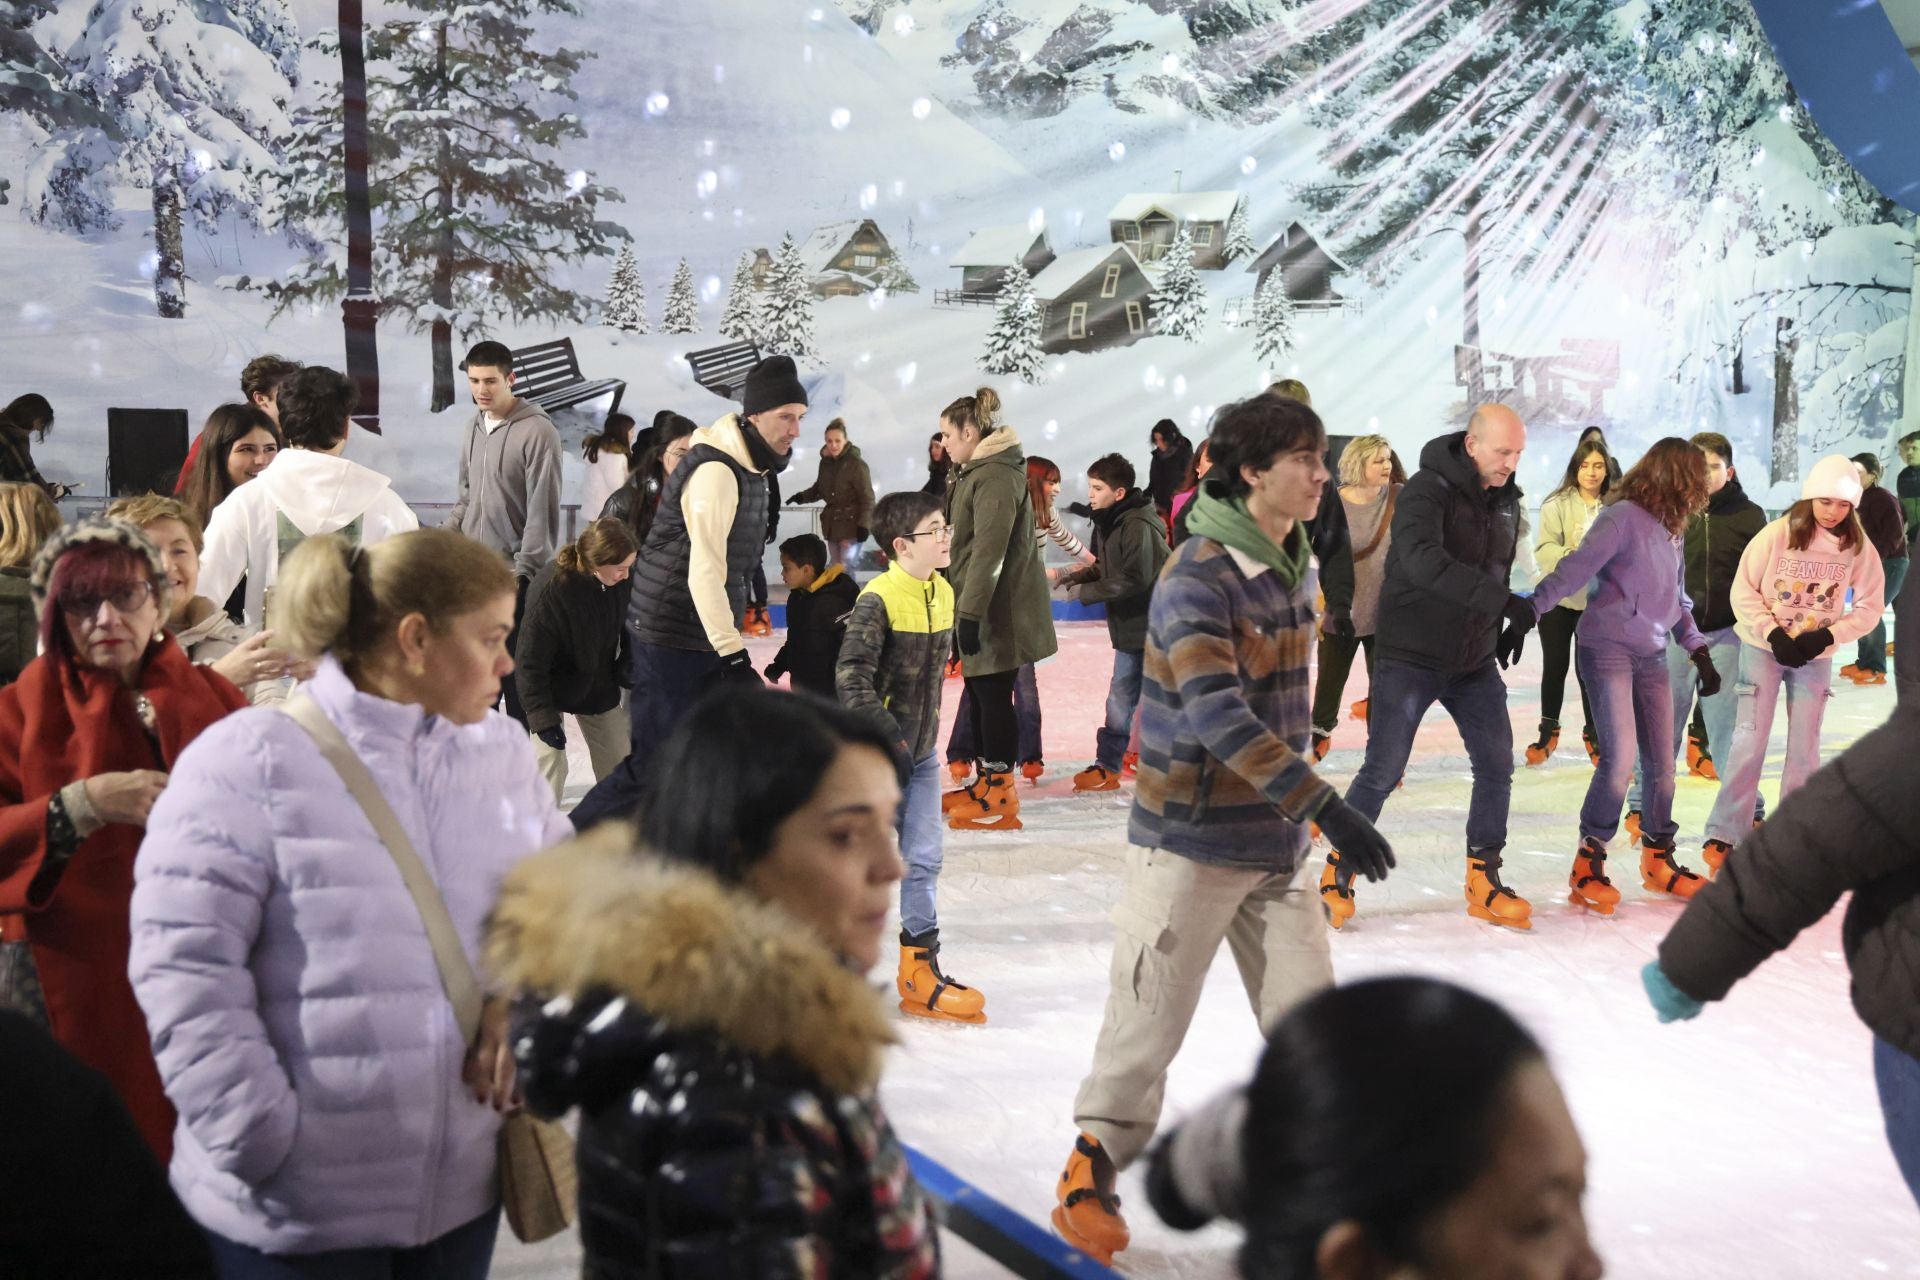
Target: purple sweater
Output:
[(1637, 570)]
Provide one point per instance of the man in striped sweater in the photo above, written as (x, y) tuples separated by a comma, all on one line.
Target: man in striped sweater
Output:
[(1226, 791)]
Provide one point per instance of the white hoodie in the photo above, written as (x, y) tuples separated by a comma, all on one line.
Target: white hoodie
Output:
[(318, 493)]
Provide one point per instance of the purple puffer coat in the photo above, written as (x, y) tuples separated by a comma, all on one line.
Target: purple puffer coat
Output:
[(297, 1017)]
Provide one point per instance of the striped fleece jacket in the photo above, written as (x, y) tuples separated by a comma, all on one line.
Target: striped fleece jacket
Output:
[(1224, 713)]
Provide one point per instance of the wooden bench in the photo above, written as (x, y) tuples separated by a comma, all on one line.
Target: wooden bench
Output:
[(549, 375), (723, 370)]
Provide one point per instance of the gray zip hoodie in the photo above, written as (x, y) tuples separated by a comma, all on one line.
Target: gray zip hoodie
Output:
[(510, 487)]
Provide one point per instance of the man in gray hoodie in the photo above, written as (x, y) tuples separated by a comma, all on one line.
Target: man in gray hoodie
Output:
[(509, 480)]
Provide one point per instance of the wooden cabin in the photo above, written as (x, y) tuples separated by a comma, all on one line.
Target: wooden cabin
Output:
[(844, 259), (991, 252), (1093, 299), (1307, 268), (1148, 222)]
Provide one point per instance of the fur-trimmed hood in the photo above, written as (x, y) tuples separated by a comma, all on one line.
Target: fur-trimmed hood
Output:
[(595, 915)]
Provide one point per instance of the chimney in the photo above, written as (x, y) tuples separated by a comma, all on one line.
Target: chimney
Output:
[(1176, 182)]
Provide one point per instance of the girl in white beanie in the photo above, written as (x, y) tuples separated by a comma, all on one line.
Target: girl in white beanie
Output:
[(1790, 604)]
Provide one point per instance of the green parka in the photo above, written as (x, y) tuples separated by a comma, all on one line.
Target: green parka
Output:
[(998, 579)]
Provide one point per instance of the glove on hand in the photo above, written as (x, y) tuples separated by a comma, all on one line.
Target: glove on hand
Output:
[(1363, 850), (1709, 674), (1814, 643), (1507, 650), (1786, 650), (1669, 1001), (968, 632), (1519, 613), (555, 737), (738, 667), (862, 533), (773, 672), (1338, 622)]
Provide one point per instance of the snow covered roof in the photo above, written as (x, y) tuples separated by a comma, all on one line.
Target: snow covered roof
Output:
[(997, 246), (826, 242), (1071, 267), (1279, 244), (1182, 206)]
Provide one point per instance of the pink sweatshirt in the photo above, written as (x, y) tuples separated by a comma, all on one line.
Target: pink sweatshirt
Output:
[(1805, 590)]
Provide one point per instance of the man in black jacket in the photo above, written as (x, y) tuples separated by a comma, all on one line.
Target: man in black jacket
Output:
[(1455, 529), (1715, 539)]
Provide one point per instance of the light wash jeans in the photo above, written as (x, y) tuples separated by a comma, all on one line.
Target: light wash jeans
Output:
[(922, 830), (1632, 704), (1756, 693), (1123, 697), (1723, 646)]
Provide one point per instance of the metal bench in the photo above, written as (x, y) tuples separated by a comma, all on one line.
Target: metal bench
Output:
[(549, 375), (723, 370)]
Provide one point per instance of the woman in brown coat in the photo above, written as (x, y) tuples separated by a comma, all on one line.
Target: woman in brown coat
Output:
[(845, 486)]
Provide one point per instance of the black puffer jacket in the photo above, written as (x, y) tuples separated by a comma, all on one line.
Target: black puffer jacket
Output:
[(1715, 540), (724, 1064), (572, 647), (1447, 567), (1855, 825)]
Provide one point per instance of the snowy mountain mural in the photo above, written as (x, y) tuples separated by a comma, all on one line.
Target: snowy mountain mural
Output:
[(1601, 211)]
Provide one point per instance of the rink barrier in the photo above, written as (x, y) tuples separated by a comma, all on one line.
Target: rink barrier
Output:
[(1023, 1247)]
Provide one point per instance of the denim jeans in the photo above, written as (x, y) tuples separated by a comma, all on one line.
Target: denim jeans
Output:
[(1898, 1076), (1756, 692), (1026, 715), (1723, 646), (1872, 652), (464, 1253), (922, 830), (1123, 696), (1632, 706), (666, 685), (1477, 701)]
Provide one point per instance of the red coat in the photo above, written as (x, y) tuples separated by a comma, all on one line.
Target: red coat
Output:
[(60, 724)]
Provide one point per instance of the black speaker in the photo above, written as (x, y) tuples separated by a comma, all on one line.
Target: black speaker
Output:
[(145, 450)]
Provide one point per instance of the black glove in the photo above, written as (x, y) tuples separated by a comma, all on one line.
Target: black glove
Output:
[(1814, 643), (555, 737), (1519, 613), (862, 533), (737, 667), (1363, 850), (774, 672), (1508, 648), (794, 500), (1786, 651), (1080, 509), (1338, 623), (1709, 674), (968, 633)]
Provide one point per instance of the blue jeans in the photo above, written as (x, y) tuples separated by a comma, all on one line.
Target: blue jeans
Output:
[(1123, 696), (1723, 646), (464, 1253), (666, 685), (1477, 701), (1756, 693), (1632, 718), (1872, 653), (1026, 713), (922, 830), (1898, 1076)]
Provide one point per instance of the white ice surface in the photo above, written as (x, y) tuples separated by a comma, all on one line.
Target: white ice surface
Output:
[(1745, 1144)]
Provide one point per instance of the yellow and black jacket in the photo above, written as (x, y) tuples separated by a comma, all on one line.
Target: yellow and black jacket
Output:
[(894, 656)]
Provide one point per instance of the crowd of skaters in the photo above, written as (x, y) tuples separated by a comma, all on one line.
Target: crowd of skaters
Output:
[(188, 886)]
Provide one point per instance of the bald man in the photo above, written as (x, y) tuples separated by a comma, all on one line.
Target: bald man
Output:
[(1455, 530)]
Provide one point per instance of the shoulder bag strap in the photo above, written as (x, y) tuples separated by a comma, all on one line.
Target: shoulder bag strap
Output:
[(1380, 531), (456, 972)]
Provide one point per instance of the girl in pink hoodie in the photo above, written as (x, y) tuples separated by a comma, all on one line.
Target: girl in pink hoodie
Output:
[(1790, 605)]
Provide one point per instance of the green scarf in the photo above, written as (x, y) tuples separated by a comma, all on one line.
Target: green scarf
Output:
[(1226, 521)]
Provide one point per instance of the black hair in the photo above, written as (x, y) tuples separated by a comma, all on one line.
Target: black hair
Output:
[(647, 470), (1167, 429), (24, 413), (1873, 465), (722, 794), (897, 515), (1254, 433), (613, 437), (1375, 1101), (1113, 471), (1714, 442), (314, 406), (807, 549), (489, 354)]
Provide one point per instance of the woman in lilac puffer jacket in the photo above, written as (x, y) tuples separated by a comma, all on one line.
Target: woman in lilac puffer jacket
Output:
[(327, 1099)]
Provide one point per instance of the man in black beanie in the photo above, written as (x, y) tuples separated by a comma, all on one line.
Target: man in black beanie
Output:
[(690, 582)]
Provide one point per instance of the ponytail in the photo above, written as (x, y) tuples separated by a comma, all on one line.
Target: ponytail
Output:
[(981, 411), (606, 541), (347, 601)]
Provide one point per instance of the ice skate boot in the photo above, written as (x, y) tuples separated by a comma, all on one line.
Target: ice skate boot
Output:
[(758, 623), (1714, 854), (1033, 770), (1870, 678), (1358, 711), (1087, 1214), (991, 804), (1538, 753), (1130, 764), (926, 992), (1593, 747), (1336, 891), (1590, 887), (1632, 824), (1322, 743), (1660, 873), (1096, 778), (1699, 763), (1853, 671), (1489, 900), (960, 770)]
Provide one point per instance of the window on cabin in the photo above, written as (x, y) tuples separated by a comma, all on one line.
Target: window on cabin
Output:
[(1203, 236), (1136, 318), (1130, 232), (1077, 321), (1111, 285), (865, 260)]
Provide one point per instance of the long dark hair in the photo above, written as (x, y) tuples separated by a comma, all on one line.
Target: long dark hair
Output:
[(208, 484), (611, 438), (1375, 1101), (1570, 483), (24, 413), (1669, 482), (647, 476), (721, 794), (1801, 526)]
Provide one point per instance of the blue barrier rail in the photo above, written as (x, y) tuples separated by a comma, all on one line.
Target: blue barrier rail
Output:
[(1023, 1247)]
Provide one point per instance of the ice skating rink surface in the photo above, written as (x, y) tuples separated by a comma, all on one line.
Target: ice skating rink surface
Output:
[(1744, 1144)]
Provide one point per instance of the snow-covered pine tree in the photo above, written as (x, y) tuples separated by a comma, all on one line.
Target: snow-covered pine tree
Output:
[(786, 309), (740, 317), (1013, 344), (626, 305), (683, 308), (1180, 303), (1239, 235), (894, 276), (1273, 335)]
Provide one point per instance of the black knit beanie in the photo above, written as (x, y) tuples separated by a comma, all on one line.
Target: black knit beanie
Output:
[(770, 384)]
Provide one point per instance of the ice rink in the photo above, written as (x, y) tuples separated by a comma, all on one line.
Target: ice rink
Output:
[(1746, 1143)]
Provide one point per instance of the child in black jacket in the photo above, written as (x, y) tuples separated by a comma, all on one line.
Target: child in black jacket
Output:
[(819, 598)]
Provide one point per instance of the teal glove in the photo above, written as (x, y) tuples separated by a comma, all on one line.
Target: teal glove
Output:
[(1669, 1001)]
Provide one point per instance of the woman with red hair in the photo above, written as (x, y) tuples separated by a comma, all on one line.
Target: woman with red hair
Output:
[(87, 734)]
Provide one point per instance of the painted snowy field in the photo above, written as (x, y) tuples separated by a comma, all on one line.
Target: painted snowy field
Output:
[(1745, 1144)]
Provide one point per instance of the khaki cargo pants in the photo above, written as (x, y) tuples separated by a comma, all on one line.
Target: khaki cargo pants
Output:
[(1171, 918)]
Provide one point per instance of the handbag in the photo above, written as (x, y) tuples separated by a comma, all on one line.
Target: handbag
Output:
[(539, 1184)]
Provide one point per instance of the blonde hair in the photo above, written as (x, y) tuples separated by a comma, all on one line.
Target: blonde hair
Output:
[(606, 541), (347, 601), (27, 519), (981, 411), (1358, 453), (150, 507), (1292, 389)]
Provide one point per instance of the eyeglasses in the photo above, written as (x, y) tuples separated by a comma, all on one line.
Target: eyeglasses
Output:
[(124, 600), (938, 532)]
